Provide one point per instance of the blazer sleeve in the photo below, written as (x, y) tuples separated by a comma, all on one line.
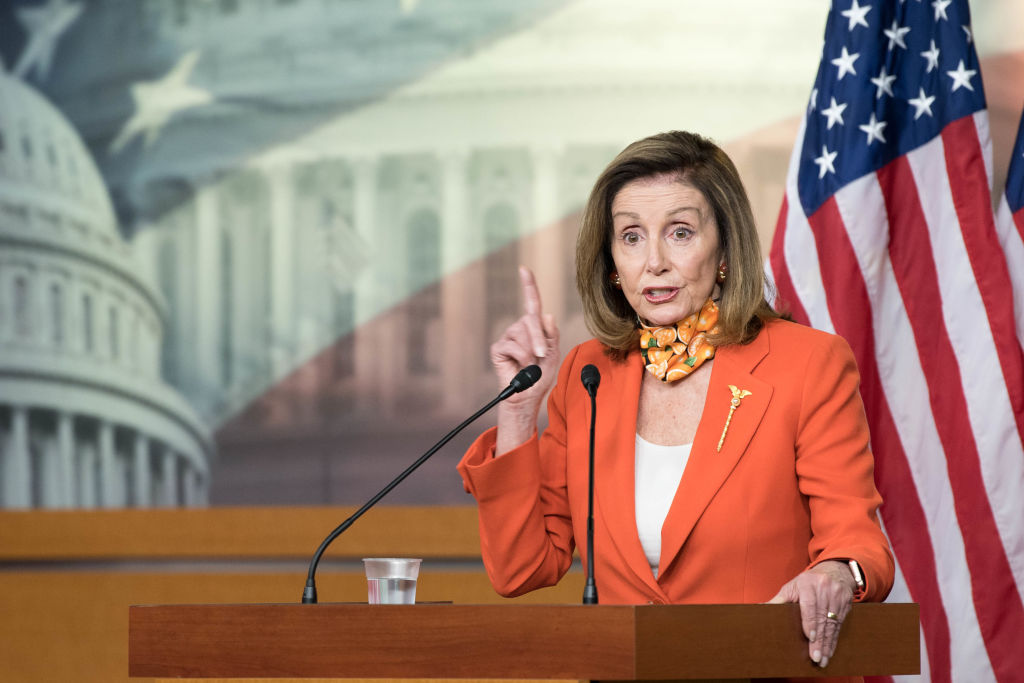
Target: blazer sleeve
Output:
[(526, 535), (835, 469)]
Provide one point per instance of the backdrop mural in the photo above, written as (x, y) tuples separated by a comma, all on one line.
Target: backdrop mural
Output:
[(255, 251)]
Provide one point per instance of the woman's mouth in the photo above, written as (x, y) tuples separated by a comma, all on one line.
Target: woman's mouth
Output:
[(660, 295)]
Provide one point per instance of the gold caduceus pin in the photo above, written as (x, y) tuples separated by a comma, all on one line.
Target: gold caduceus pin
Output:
[(737, 396)]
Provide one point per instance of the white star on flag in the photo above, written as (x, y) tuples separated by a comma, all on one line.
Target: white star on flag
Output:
[(844, 62), (856, 15), (874, 129), (970, 36), (814, 99), (940, 9), (824, 162), (883, 81), (834, 113), (922, 103), (895, 34), (961, 77), (157, 101), (932, 55), (45, 24)]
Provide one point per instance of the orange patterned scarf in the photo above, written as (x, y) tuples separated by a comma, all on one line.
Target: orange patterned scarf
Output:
[(672, 353)]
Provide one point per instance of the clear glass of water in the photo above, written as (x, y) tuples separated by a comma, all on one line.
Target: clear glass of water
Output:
[(391, 580)]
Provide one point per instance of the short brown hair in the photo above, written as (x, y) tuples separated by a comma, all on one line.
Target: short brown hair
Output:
[(698, 162)]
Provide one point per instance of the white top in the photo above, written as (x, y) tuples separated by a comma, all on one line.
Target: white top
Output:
[(658, 472)]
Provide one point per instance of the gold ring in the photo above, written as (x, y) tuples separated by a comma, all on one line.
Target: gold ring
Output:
[(832, 616)]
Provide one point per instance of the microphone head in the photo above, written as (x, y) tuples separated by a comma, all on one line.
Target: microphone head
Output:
[(590, 377), (525, 378)]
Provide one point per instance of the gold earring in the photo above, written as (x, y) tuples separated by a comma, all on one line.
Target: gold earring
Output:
[(616, 280), (721, 272)]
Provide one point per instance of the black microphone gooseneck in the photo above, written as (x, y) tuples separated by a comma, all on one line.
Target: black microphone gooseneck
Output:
[(522, 381), (591, 378)]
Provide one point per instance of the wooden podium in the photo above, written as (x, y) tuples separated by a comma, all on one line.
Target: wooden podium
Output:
[(605, 642)]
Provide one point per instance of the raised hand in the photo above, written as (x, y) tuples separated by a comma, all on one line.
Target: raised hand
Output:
[(533, 338)]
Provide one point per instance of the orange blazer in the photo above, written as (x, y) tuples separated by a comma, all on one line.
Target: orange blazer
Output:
[(792, 485)]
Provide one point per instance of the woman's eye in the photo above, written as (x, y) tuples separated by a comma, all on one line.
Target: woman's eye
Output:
[(631, 238), (681, 233)]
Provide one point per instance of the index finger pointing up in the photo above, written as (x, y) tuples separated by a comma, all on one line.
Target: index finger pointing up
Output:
[(531, 295)]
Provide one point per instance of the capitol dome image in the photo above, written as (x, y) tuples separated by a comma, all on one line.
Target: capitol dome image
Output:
[(85, 418), (331, 199)]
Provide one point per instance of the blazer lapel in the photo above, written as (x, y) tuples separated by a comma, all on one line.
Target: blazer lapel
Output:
[(708, 467), (615, 464)]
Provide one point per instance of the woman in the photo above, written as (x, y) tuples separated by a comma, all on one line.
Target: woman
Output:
[(732, 459)]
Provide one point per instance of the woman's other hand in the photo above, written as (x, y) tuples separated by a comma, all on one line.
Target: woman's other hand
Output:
[(825, 593), (533, 339)]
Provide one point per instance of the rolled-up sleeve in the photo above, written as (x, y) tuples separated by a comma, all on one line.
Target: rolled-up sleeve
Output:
[(526, 536)]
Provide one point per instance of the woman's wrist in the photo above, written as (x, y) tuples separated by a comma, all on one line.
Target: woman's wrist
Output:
[(517, 424), (840, 571)]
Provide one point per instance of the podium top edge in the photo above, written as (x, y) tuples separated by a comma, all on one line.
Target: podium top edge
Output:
[(532, 606)]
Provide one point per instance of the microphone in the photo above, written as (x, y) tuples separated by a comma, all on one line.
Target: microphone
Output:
[(523, 380), (591, 378)]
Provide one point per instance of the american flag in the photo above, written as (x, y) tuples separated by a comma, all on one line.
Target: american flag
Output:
[(887, 237), (1010, 226)]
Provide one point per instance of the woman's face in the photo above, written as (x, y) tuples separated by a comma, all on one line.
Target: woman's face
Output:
[(665, 247)]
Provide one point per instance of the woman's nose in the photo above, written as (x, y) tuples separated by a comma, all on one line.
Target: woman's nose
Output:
[(656, 257)]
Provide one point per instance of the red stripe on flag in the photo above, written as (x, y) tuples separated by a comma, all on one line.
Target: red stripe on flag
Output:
[(966, 163), (1000, 613), (905, 521), (787, 299)]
